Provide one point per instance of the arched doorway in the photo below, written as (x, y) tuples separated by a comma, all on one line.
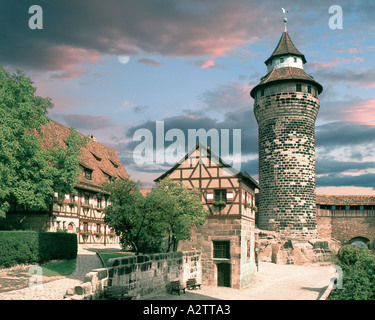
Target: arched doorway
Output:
[(71, 228)]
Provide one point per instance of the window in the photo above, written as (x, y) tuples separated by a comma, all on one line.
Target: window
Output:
[(221, 195), (309, 89), (221, 249), (262, 92), (88, 174), (97, 228), (281, 60), (85, 227), (298, 87), (295, 59)]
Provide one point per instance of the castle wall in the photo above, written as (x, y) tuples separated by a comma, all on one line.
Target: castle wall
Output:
[(345, 225)]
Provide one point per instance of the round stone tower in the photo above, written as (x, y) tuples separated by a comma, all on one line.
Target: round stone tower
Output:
[(286, 105)]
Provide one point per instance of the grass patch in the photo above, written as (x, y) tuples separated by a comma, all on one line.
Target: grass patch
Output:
[(109, 255), (64, 268)]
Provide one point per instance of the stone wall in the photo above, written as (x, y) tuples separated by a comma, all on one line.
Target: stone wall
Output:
[(143, 275), (239, 232), (345, 229), (275, 248)]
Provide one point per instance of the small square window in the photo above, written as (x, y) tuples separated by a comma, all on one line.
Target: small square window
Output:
[(221, 195), (221, 249), (295, 59), (281, 60)]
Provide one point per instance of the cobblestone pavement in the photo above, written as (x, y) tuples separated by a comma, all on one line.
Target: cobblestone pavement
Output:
[(272, 282), (55, 290)]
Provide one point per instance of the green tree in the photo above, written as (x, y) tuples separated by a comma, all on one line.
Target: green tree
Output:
[(65, 163), (27, 172), (176, 210), (130, 219)]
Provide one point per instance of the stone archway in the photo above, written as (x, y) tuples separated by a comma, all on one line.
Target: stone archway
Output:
[(359, 241), (71, 228)]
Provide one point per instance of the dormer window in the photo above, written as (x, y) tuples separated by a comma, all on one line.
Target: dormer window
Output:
[(88, 174), (114, 163), (96, 157)]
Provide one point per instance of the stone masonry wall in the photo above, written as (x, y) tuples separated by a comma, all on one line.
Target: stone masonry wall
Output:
[(239, 232), (143, 275), (286, 122), (151, 274)]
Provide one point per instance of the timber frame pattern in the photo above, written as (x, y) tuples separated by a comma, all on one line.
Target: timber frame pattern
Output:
[(205, 171)]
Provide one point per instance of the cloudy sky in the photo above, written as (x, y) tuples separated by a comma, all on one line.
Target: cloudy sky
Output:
[(113, 67)]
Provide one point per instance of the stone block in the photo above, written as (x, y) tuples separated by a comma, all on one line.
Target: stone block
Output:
[(83, 289)]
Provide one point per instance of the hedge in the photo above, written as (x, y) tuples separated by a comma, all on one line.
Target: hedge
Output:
[(29, 247)]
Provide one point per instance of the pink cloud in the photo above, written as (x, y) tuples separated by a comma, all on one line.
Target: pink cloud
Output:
[(332, 63), (349, 50), (206, 63), (363, 112), (69, 62)]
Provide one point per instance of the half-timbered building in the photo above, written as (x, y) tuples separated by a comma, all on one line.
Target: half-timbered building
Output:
[(227, 238), (83, 211)]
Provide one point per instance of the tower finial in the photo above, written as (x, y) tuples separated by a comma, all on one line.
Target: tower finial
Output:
[(285, 19)]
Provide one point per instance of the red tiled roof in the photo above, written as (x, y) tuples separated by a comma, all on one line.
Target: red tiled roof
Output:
[(95, 156), (345, 200), (284, 47), (145, 191)]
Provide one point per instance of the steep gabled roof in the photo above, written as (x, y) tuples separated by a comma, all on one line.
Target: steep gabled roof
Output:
[(285, 47), (95, 156), (218, 160)]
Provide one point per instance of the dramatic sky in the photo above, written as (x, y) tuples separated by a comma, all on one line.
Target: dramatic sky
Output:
[(112, 67)]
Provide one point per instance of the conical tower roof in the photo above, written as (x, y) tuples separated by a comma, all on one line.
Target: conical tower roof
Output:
[(285, 47)]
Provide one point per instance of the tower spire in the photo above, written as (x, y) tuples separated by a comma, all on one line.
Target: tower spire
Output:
[(285, 19)]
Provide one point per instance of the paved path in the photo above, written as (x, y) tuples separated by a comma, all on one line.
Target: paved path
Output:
[(272, 282), (55, 290)]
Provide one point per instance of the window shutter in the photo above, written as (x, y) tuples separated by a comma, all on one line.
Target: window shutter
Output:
[(210, 196), (230, 195)]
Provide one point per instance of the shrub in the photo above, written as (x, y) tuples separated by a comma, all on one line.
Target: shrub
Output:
[(358, 267), (29, 247)]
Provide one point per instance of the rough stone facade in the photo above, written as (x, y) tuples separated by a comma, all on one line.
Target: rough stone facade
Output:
[(239, 232), (345, 227), (143, 275), (286, 120)]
